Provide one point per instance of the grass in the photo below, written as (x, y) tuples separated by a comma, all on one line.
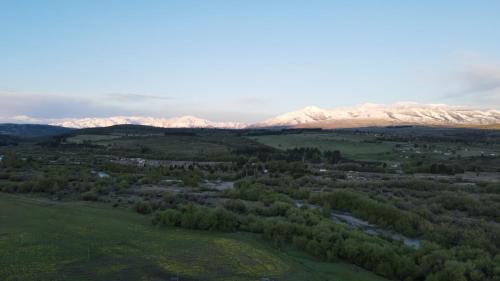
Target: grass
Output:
[(45, 240), (79, 139), (204, 146), (175, 147), (354, 147)]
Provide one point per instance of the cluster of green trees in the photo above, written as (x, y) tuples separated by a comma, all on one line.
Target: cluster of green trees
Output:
[(26, 175), (424, 163), (427, 209), (307, 230), (11, 161), (313, 155), (18, 171), (440, 168), (375, 212), (300, 154), (198, 217)]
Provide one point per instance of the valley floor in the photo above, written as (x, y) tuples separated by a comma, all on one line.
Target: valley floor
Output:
[(46, 240)]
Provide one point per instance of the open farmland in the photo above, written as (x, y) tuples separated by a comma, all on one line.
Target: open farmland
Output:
[(96, 139), (356, 147), (177, 145)]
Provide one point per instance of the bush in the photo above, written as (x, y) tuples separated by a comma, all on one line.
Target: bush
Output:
[(223, 220), (236, 206), (170, 198), (143, 208), (192, 178), (26, 187), (199, 217), (90, 196), (168, 217)]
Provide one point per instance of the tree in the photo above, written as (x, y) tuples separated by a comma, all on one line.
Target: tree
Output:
[(327, 210), (332, 157)]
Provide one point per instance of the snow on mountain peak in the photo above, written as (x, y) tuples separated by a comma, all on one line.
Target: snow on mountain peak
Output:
[(176, 122), (368, 114), (311, 109), (382, 115)]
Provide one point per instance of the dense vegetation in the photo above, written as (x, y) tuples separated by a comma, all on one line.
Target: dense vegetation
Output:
[(407, 207)]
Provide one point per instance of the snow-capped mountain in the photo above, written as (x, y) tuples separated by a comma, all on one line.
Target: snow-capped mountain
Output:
[(311, 116), (382, 115), (177, 122)]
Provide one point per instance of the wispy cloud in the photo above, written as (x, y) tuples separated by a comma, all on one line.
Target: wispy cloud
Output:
[(480, 78), (135, 97), (253, 101), (51, 106), (477, 81), (22, 119), (39, 107)]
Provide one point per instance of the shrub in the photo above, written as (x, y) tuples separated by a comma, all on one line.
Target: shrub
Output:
[(235, 205), (90, 196), (143, 208), (168, 217)]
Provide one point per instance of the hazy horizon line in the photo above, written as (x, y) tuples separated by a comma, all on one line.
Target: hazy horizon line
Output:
[(27, 119)]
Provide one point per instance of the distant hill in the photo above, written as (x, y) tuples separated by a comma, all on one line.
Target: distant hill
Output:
[(32, 130)]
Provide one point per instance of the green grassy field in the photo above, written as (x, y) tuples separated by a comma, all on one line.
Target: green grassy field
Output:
[(354, 147), (204, 146), (79, 139), (44, 240), (175, 147)]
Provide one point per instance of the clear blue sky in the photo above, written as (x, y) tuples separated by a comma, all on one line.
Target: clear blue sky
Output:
[(243, 60)]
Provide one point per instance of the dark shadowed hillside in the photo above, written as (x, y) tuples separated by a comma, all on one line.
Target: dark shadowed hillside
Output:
[(31, 130)]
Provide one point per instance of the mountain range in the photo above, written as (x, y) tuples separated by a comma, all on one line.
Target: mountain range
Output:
[(177, 122), (311, 116), (385, 115)]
